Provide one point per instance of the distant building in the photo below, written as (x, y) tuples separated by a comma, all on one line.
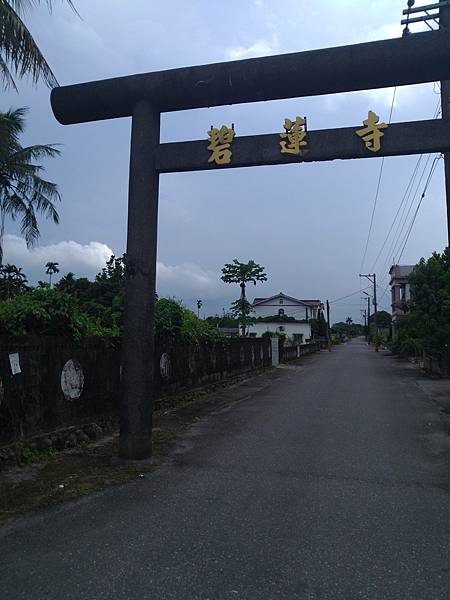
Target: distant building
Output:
[(400, 292), (285, 315), (400, 287)]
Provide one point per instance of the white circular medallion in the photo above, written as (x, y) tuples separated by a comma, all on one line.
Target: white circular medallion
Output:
[(72, 380)]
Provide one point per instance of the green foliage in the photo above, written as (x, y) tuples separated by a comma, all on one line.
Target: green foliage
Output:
[(349, 329), (242, 310), (278, 319), (271, 334), (79, 307), (318, 326), (427, 325), (384, 319), (175, 322), (242, 273), (28, 455), (168, 318), (12, 281), (194, 330), (226, 320), (23, 192), (18, 50), (103, 299), (51, 269), (45, 312)]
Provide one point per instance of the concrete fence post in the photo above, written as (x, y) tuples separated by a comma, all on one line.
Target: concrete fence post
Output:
[(275, 352)]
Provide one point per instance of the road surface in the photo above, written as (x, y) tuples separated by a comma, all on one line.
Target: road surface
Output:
[(320, 485)]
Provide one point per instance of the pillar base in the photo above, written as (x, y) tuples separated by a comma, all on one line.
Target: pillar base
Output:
[(135, 447)]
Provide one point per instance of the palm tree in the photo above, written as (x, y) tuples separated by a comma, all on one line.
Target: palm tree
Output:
[(13, 280), (19, 52), (23, 192), (51, 269)]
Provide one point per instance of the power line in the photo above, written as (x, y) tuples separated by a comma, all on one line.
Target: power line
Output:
[(411, 225), (348, 295), (405, 198), (377, 190), (404, 227), (430, 175)]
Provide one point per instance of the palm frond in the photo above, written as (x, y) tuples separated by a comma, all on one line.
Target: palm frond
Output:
[(5, 75), (34, 153), (29, 227), (19, 48), (12, 125)]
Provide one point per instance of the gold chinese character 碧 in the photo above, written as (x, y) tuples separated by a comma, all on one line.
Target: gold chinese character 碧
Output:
[(220, 144), (295, 136), (371, 133)]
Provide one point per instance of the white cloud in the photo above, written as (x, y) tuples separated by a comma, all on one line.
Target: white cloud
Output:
[(184, 280), (82, 259), (258, 48)]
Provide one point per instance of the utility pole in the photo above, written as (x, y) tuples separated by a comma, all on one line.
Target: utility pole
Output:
[(442, 19), (444, 23), (328, 327), (373, 280), (368, 317), (364, 314)]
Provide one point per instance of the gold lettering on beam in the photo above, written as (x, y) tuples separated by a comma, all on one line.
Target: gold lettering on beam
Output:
[(220, 145), (295, 136), (371, 133)]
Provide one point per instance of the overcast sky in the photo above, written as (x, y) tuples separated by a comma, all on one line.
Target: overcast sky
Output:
[(307, 224)]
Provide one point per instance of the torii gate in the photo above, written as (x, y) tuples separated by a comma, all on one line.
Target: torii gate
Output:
[(415, 59)]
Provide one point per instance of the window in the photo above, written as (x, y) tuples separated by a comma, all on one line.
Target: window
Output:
[(281, 312), (281, 300)]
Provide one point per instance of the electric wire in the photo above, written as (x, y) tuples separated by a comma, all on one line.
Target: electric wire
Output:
[(411, 225), (403, 204), (352, 294), (377, 192), (430, 176)]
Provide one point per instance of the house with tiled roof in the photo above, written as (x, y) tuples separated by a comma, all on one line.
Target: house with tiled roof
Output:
[(286, 315), (400, 293)]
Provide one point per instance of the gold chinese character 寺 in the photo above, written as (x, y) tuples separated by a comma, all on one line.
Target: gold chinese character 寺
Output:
[(220, 144), (295, 136), (371, 133)]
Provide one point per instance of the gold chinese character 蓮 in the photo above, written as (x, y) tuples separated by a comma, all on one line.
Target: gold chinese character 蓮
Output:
[(371, 133), (295, 135), (220, 144)]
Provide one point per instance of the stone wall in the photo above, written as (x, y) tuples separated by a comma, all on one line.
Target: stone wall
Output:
[(49, 384)]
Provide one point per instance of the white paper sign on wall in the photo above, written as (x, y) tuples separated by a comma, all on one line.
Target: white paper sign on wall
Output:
[(15, 363)]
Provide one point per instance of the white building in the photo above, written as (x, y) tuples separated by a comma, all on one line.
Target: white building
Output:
[(284, 314)]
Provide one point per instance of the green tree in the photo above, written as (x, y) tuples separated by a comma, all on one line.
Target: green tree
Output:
[(428, 322), (318, 326), (243, 273), (51, 269), (242, 310), (19, 52), (13, 281), (23, 192), (46, 312)]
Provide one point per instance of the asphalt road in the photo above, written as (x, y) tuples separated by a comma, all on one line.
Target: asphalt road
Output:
[(320, 485)]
